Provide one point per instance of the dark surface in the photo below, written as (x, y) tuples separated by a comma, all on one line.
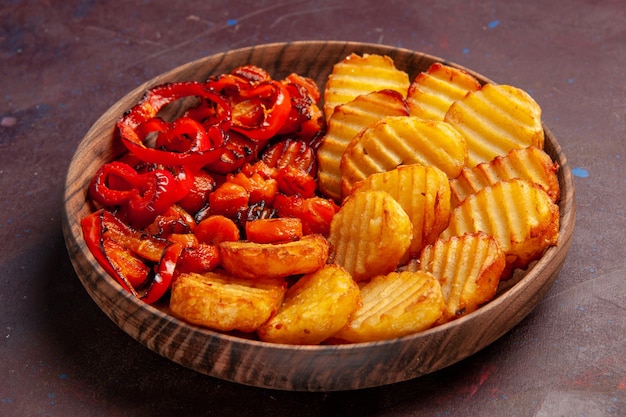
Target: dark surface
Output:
[(64, 63)]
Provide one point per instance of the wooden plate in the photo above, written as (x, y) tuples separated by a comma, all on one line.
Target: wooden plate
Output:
[(298, 368)]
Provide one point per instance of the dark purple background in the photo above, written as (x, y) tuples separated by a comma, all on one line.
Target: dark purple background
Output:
[(62, 64)]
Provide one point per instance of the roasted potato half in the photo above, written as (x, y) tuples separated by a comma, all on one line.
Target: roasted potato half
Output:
[(518, 213), (356, 75), (395, 141), (496, 119), (266, 260), (424, 194), (530, 163), (225, 303), (433, 91), (345, 123), (395, 305), (314, 308), (468, 268), (370, 233)]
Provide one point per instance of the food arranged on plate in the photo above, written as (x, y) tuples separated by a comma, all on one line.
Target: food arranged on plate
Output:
[(243, 204)]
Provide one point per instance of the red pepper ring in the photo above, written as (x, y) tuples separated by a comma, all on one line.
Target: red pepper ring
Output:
[(142, 196), (113, 184), (274, 100), (158, 191), (206, 143)]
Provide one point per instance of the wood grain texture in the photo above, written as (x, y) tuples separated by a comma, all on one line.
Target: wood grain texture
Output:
[(298, 368)]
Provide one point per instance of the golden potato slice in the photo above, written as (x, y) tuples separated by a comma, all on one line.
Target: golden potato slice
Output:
[(468, 268), (518, 213), (314, 308), (495, 120), (424, 194), (265, 260), (346, 122), (357, 75), (395, 141), (395, 305), (529, 163), (369, 234), (432, 92), (225, 303)]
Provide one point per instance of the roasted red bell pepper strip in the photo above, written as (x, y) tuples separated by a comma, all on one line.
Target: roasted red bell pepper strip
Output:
[(118, 259), (306, 118), (148, 247), (199, 259), (164, 274), (198, 195), (133, 269), (205, 142), (93, 227)]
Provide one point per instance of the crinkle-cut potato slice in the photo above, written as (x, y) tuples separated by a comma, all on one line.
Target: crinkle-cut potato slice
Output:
[(369, 234), (266, 260), (356, 75), (518, 213), (225, 303), (423, 191), (395, 305), (432, 92), (468, 268), (345, 123), (314, 308), (495, 120), (397, 140), (529, 163)]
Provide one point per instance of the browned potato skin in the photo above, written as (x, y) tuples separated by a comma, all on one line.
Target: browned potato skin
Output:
[(225, 303), (314, 308), (262, 260)]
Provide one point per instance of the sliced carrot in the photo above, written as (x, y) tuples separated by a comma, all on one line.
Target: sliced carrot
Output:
[(274, 230), (295, 181), (228, 199), (215, 229)]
